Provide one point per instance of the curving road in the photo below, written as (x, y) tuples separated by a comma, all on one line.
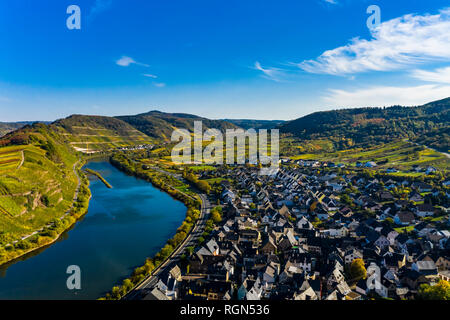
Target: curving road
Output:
[(141, 290)]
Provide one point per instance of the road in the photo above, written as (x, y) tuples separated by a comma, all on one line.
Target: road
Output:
[(191, 240)]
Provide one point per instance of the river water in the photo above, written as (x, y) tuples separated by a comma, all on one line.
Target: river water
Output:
[(123, 226)]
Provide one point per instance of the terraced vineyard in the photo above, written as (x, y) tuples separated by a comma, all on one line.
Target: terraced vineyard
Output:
[(402, 155), (90, 134), (37, 185), (10, 158)]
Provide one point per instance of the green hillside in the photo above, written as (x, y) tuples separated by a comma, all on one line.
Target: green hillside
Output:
[(157, 124), (39, 176), (364, 127), (97, 133)]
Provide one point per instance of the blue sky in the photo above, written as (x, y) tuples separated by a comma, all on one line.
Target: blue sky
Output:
[(220, 59)]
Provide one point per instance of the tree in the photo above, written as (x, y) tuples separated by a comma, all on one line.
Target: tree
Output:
[(440, 291), (216, 215), (115, 292), (358, 270), (346, 199), (204, 186)]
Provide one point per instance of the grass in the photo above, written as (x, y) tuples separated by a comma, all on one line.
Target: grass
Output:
[(198, 168), (402, 229)]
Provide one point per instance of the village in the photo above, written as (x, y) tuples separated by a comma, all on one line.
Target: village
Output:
[(317, 231)]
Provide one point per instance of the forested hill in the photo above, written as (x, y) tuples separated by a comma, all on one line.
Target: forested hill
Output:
[(368, 126), (159, 124), (7, 127), (256, 124)]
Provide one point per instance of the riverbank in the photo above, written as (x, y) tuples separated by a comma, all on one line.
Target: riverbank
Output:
[(128, 166), (98, 175), (50, 233)]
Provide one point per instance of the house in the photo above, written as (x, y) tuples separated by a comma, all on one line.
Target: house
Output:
[(228, 196), (284, 212), (425, 210), (404, 218), (425, 267), (306, 292), (337, 232), (382, 242), (271, 272), (444, 275), (370, 164), (156, 294), (304, 223), (416, 197), (351, 255), (443, 263), (269, 246), (385, 196), (421, 186), (352, 295)]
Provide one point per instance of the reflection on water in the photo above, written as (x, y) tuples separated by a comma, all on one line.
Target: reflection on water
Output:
[(123, 226)]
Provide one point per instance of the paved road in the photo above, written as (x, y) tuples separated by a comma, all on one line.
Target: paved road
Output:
[(191, 240)]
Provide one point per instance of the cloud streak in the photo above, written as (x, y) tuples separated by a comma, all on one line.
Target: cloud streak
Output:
[(395, 44), (148, 75), (441, 75), (125, 61), (270, 73)]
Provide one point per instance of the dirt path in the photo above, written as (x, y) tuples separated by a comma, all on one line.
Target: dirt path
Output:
[(21, 162)]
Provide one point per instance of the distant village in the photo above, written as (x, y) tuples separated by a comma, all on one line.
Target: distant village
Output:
[(296, 235)]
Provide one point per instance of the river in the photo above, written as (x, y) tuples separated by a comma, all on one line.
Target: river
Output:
[(123, 226)]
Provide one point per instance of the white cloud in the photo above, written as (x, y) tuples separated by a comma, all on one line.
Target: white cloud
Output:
[(331, 1), (407, 40), (274, 74), (441, 75), (159, 84), (126, 61), (387, 96), (148, 75)]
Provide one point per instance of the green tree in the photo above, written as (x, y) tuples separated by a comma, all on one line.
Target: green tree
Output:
[(358, 270), (440, 291), (216, 216)]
